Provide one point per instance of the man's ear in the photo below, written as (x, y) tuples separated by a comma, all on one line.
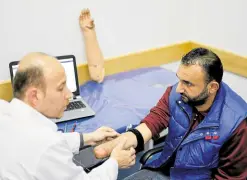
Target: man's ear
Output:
[(33, 96), (213, 87)]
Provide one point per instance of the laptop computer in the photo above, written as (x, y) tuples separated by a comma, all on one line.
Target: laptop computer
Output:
[(77, 107)]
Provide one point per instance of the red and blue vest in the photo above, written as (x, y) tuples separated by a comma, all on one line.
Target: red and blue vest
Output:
[(198, 153)]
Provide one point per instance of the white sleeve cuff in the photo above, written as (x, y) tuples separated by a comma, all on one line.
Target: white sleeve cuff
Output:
[(73, 140)]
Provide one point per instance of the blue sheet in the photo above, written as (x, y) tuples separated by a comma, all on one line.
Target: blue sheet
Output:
[(122, 99)]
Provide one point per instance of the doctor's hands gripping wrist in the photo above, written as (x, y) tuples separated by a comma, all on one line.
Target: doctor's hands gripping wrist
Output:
[(105, 149), (101, 135), (124, 157)]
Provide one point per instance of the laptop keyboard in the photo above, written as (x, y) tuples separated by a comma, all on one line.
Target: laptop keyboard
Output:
[(75, 105)]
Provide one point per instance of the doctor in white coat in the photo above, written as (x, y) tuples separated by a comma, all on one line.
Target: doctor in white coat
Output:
[(31, 148)]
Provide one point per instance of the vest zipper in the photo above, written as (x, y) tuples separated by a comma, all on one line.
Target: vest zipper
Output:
[(186, 134), (191, 123)]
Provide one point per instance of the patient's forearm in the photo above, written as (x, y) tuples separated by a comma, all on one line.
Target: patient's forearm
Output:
[(105, 149), (94, 55), (145, 131)]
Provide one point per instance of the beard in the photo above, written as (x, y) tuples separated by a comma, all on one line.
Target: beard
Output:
[(196, 101)]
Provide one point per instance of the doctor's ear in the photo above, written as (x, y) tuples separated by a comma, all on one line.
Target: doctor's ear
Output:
[(34, 95)]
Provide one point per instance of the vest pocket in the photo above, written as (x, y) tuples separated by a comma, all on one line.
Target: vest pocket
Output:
[(197, 154)]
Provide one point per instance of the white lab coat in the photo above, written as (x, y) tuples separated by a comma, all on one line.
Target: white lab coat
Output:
[(32, 149)]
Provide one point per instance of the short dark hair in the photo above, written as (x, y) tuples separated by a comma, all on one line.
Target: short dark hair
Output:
[(208, 60), (30, 76)]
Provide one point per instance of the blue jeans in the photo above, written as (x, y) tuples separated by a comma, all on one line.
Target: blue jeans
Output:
[(146, 174)]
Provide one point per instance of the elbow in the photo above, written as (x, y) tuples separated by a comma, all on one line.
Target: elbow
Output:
[(97, 74)]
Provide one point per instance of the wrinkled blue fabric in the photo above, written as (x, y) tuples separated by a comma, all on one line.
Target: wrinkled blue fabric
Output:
[(122, 99)]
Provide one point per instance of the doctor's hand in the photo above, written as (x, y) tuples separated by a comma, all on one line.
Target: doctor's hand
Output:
[(125, 158), (105, 149), (101, 135), (85, 20)]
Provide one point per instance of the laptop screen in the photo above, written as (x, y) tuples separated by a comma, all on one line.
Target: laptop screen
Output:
[(69, 70), (68, 65)]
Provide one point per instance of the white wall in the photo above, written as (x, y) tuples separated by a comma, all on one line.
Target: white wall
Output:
[(220, 23), (123, 26)]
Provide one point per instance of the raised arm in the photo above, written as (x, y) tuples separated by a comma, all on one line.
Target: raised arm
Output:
[(93, 53)]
